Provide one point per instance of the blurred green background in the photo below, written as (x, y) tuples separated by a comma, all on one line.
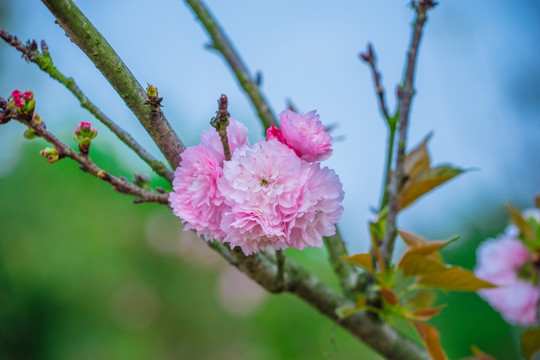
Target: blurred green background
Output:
[(85, 274)]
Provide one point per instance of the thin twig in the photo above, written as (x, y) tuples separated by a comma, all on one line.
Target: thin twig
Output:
[(31, 53), (81, 31), (119, 184), (369, 57), (222, 44), (220, 122), (405, 94)]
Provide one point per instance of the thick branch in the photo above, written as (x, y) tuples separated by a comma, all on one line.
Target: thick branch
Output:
[(44, 61), (81, 31), (405, 94), (298, 281), (224, 46)]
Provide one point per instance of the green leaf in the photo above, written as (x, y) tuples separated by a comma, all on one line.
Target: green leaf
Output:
[(530, 342), (422, 299), (455, 278), (364, 261), (413, 265), (430, 336), (523, 225), (426, 181)]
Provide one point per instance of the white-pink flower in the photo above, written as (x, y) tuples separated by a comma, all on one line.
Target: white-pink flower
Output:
[(306, 135), (500, 262), (196, 198)]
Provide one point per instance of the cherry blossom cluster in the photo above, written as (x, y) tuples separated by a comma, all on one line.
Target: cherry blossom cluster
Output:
[(513, 265), (273, 193), (22, 102)]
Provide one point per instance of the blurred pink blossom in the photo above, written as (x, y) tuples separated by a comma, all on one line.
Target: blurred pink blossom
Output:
[(305, 134), (500, 262)]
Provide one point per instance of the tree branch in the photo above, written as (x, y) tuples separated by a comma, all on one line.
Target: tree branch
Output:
[(369, 57), (224, 46), (405, 94), (119, 184), (44, 61), (346, 272), (81, 31)]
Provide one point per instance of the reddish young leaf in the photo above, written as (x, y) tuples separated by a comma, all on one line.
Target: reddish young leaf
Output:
[(362, 260), (426, 314), (479, 354), (455, 278), (417, 160), (389, 296), (425, 182), (422, 299), (413, 265), (430, 337)]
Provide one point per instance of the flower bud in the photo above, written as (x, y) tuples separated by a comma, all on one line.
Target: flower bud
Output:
[(52, 154), (84, 134), (152, 91), (29, 134), (16, 94)]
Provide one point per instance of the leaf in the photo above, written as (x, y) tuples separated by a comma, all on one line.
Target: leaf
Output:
[(426, 181), (524, 227), (479, 354), (422, 299), (425, 314), (455, 278), (420, 246), (417, 160), (430, 336), (389, 296), (414, 265), (530, 342), (364, 261), (411, 239)]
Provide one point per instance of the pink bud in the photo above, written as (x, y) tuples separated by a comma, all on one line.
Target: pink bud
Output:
[(16, 94), (28, 94), (19, 101), (85, 125), (274, 133)]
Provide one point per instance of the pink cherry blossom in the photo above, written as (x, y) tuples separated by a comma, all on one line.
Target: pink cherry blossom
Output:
[(499, 262), (306, 135), (236, 133), (16, 94), (196, 198), (277, 199), (264, 188), (320, 211)]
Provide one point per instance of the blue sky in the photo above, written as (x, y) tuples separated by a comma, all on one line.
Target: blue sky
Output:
[(477, 87)]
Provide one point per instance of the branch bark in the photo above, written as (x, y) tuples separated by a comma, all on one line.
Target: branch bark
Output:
[(44, 61), (81, 31), (405, 95)]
